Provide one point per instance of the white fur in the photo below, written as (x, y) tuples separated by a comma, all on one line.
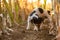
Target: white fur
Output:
[(28, 21)]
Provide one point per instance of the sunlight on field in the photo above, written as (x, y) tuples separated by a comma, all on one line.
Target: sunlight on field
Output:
[(42, 1), (34, 3), (48, 5), (30, 1), (7, 1)]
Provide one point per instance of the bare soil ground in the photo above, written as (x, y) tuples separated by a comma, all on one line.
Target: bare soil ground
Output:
[(20, 33)]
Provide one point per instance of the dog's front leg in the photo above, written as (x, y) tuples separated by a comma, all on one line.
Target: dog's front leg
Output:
[(28, 23), (35, 27)]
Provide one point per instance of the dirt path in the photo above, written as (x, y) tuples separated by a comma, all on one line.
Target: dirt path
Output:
[(20, 33)]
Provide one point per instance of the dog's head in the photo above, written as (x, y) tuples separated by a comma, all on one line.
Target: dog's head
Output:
[(39, 12)]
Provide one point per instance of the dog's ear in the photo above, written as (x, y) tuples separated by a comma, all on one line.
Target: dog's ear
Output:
[(41, 10), (48, 12)]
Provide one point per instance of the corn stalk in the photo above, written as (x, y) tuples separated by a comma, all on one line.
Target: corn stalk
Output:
[(16, 9), (0, 6), (44, 4), (9, 10)]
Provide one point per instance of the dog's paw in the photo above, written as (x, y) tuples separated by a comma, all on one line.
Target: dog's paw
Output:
[(36, 29), (27, 28)]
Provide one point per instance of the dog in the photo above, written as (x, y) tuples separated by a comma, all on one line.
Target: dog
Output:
[(36, 17)]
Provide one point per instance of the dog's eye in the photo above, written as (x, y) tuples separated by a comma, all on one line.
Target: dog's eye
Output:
[(48, 12)]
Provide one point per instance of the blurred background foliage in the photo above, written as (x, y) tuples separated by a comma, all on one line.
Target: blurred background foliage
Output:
[(18, 10)]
